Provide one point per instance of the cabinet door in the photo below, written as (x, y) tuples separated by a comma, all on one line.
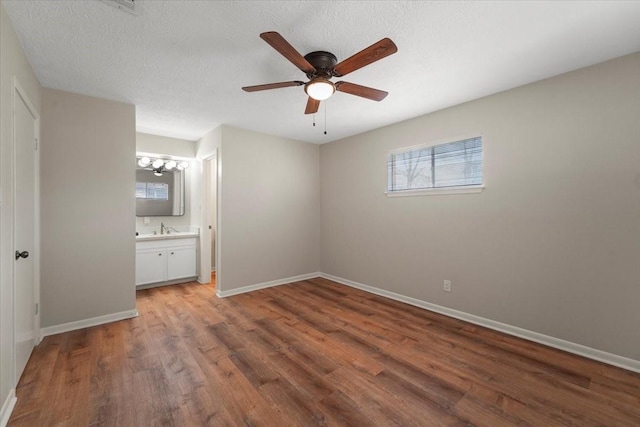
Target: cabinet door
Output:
[(182, 262), (151, 266)]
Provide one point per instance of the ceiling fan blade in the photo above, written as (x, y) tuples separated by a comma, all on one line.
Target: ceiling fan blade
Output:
[(271, 86), (373, 53), (312, 106), (363, 91), (281, 45)]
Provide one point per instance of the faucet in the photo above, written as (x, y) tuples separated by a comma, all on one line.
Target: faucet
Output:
[(162, 228)]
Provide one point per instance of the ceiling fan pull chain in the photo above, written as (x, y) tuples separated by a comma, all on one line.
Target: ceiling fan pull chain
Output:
[(325, 118)]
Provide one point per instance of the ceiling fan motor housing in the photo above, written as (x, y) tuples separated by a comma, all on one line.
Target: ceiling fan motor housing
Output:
[(323, 62)]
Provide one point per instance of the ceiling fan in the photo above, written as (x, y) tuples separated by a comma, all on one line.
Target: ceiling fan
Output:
[(321, 66)]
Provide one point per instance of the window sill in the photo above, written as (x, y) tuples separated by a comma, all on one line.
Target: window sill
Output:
[(468, 189)]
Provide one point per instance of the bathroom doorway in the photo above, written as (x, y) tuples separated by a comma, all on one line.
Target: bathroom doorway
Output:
[(213, 196), (210, 253)]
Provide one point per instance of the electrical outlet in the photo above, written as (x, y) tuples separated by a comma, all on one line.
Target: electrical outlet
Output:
[(447, 286)]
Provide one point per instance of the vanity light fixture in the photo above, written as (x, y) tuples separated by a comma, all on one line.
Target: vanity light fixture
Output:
[(159, 166)]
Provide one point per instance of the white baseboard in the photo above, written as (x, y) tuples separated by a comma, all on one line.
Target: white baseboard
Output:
[(87, 323), (264, 285), (7, 408), (568, 346), (168, 282)]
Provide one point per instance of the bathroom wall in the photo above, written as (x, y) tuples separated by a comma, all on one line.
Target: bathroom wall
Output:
[(171, 147), (13, 63), (156, 144)]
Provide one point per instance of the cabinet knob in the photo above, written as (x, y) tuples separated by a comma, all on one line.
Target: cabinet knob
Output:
[(160, 254), (171, 253)]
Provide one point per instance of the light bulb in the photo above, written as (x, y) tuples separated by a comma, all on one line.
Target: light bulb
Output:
[(170, 164), (319, 88), (144, 162), (157, 163), (184, 164)]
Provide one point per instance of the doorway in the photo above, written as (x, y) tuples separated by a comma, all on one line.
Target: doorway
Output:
[(210, 236), (213, 213)]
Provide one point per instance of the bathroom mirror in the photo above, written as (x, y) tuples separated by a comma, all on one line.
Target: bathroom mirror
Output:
[(159, 195)]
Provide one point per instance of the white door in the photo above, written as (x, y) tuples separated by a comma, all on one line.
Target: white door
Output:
[(25, 133), (181, 262), (151, 266)]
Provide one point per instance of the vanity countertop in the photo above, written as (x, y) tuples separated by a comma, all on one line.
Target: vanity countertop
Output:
[(170, 236)]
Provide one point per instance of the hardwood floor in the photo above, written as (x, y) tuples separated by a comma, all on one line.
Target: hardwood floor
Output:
[(310, 353)]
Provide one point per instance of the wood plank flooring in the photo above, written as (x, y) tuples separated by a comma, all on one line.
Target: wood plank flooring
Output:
[(310, 353)]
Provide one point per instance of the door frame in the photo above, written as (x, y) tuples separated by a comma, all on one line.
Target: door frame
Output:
[(207, 206), (18, 91)]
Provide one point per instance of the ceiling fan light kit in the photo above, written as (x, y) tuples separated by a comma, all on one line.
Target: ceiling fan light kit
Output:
[(321, 66), (320, 88)]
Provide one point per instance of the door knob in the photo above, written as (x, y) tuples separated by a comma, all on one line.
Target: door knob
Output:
[(23, 254)]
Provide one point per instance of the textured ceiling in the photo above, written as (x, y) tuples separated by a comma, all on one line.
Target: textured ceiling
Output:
[(182, 63)]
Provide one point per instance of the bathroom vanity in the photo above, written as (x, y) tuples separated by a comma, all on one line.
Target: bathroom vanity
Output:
[(165, 259)]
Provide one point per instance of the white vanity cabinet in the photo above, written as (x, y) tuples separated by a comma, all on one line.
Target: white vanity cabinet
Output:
[(165, 260), (151, 265), (181, 262)]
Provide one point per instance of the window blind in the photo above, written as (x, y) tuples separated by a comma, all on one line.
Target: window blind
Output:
[(453, 164)]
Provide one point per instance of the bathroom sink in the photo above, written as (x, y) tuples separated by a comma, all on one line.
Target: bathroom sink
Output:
[(171, 235)]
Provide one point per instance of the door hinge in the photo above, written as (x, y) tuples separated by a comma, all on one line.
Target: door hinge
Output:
[(36, 141), (37, 308)]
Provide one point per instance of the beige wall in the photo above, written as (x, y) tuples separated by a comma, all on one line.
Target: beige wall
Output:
[(553, 243), (208, 144), (269, 208), (12, 63), (88, 207)]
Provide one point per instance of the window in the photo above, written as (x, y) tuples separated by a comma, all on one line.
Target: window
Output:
[(454, 166), (152, 190)]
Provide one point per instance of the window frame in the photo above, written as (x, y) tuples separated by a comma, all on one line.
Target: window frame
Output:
[(434, 191)]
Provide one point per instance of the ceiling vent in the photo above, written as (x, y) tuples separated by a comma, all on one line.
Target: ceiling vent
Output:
[(131, 6)]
